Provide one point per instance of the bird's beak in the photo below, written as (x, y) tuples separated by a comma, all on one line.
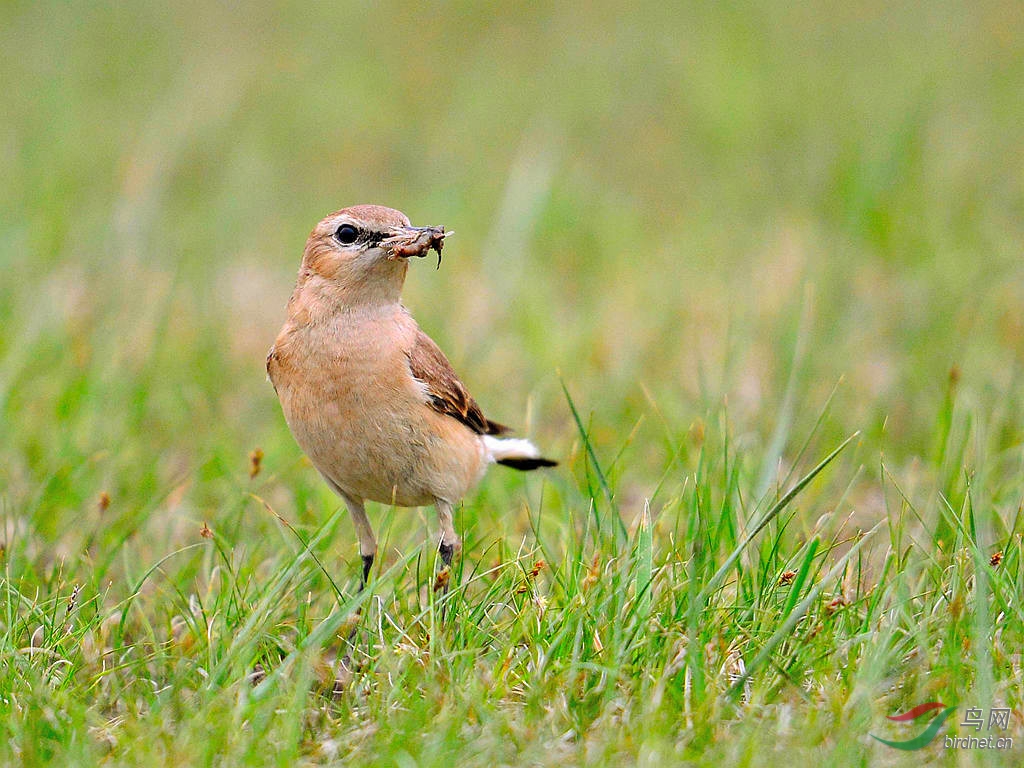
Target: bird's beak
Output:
[(404, 242)]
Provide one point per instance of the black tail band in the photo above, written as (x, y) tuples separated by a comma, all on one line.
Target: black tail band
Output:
[(525, 465)]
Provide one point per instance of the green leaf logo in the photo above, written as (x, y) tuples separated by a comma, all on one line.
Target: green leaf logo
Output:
[(925, 738)]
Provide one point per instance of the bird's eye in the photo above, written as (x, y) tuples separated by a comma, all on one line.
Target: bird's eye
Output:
[(346, 234)]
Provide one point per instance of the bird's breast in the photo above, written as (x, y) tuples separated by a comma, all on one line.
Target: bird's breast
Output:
[(354, 407)]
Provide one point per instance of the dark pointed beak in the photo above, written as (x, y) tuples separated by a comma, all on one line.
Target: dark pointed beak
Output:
[(405, 242)]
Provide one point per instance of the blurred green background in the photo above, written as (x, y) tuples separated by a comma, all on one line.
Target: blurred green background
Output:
[(657, 202)]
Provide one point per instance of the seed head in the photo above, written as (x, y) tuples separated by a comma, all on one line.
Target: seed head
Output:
[(255, 462)]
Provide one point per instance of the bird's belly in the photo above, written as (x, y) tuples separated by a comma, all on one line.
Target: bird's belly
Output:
[(379, 441)]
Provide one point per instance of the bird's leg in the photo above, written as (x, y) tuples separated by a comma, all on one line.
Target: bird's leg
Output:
[(450, 542), (367, 549), (367, 541), (447, 552)]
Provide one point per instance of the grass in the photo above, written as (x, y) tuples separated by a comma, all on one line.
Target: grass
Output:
[(752, 273), (714, 632)]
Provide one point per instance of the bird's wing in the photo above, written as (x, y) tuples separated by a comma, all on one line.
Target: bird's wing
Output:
[(446, 393)]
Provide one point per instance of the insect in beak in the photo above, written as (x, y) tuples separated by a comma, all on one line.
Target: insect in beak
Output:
[(405, 242)]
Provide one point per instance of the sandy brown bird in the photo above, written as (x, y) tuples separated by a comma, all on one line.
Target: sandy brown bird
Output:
[(369, 397)]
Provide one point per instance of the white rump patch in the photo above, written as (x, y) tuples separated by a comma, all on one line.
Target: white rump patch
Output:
[(500, 448)]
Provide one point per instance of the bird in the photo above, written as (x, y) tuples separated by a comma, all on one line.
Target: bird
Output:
[(368, 396)]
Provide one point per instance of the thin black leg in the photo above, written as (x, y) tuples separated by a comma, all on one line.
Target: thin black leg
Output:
[(344, 676), (447, 552), (367, 565)]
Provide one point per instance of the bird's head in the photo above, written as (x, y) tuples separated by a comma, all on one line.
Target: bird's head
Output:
[(360, 255)]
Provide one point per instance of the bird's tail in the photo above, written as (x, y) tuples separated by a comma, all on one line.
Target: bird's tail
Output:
[(515, 453)]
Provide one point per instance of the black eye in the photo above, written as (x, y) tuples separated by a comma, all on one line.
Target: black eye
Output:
[(346, 234)]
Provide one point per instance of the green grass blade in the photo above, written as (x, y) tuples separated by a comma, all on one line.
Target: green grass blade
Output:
[(785, 630), (620, 527), (715, 581)]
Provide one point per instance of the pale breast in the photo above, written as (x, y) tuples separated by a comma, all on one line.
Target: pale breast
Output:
[(354, 408)]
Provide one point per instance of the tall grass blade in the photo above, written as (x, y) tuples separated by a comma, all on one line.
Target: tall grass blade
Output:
[(715, 581), (787, 627), (620, 527)]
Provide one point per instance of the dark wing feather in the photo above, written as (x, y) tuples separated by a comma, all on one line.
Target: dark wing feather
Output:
[(447, 394)]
